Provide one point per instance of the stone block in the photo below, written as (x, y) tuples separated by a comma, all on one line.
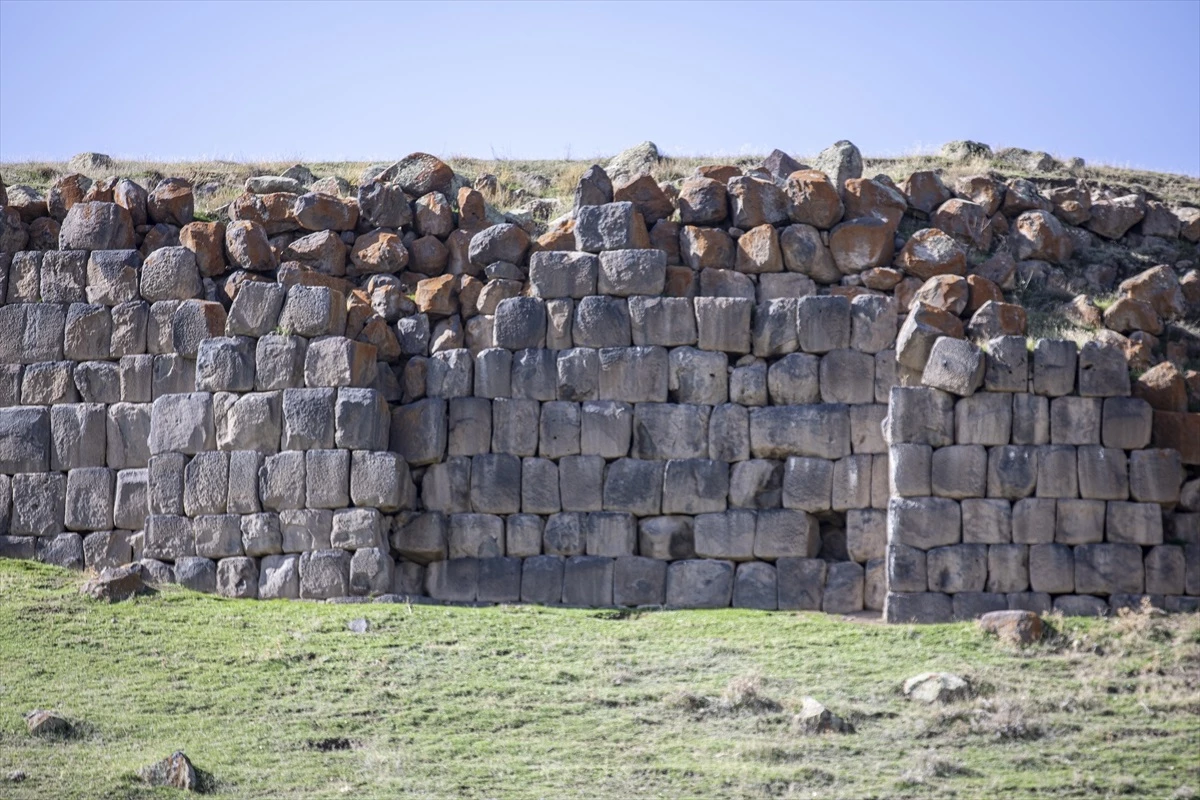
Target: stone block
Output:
[(535, 375), (866, 428), (18, 547), (955, 366), (42, 332), (724, 323), (729, 433), (808, 484), (729, 535), (1037, 602), (873, 321), (972, 605), (756, 483), (610, 534), (468, 426), (579, 483), (193, 322), (98, 382), (851, 483), (748, 384), (1103, 569), (773, 331), (312, 311), (87, 332), (986, 521), (1103, 473), (1034, 520), (906, 568), (256, 308), (665, 431), (1008, 568), (218, 535), (800, 583), (578, 374), (168, 537), (131, 499), (182, 423), (700, 583), (1054, 362), (523, 535), (1103, 371), (539, 486), (626, 272), (279, 578), (783, 533), (1137, 523), (1057, 471), (588, 581), (601, 322), (159, 334), (958, 568), (1126, 422), (1012, 472), (475, 536), (105, 549), (666, 538), (338, 361), (542, 580), (755, 586), (919, 415), (560, 273), (634, 374), (499, 580), (496, 484), (847, 376), (170, 273), (327, 478), (361, 419), (112, 276), (196, 574), (695, 486), (520, 322), (424, 538), (279, 363), (1007, 367), (281, 481), (924, 522), (910, 470), (698, 376), (206, 484), (127, 435), (419, 432), (639, 581), (308, 419), (1155, 476), (821, 431), (1079, 521), (1080, 606), (89, 499), (39, 504), (984, 419), (959, 471), (356, 528), (823, 323), (663, 321), (874, 585), (1030, 419), (559, 430), (262, 535), (565, 534), (379, 480), (515, 425), (135, 377), (1166, 570), (305, 529), (129, 321), (1075, 420), (843, 588), (866, 534), (493, 373), (77, 435), (49, 383), (880, 480), (794, 380), (324, 574)]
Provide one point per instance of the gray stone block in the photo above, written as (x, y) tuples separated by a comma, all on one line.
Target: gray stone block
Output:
[(1137, 523), (800, 583), (1103, 569), (380, 480), (1080, 606), (580, 483), (610, 534), (955, 366), (843, 588), (159, 334), (496, 484), (1012, 472), (62, 550), (557, 273), (559, 430), (218, 535), (475, 536), (193, 322), (493, 373), (520, 322), (635, 486), (601, 322), (361, 419), (578, 374), (135, 374), (499, 580), (851, 483), (919, 415), (1126, 423), (1054, 362), (105, 549), (196, 574), (1057, 471), (165, 483), (588, 581), (89, 499), (823, 323), (338, 361), (958, 568), (312, 311), (131, 499), (874, 585), (794, 380), (822, 431), (756, 483), (279, 362), (38, 504), (959, 471), (225, 364), (206, 484), (866, 428), (1075, 420), (866, 534), (910, 470), (515, 425), (667, 430), (170, 273), (1166, 569), (1034, 520), (1037, 602), (424, 538), (700, 583), (1103, 371), (729, 433), (281, 480), (127, 435), (49, 383), (1079, 521), (469, 426), (308, 419), (666, 538), (42, 334), (1008, 568), (755, 586), (279, 578), (783, 533), (455, 580), (748, 384), (172, 374), (542, 579), (634, 374), (639, 581), (773, 331), (632, 272), (112, 276), (87, 332), (728, 535), (535, 375), (539, 486), (565, 534), (77, 435), (324, 574), (698, 376), (181, 423), (723, 323), (63, 276), (664, 321), (906, 568), (129, 328), (523, 535), (847, 376), (327, 478), (1007, 367), (356, 528), (1155, 476), (972, 605), (1030, 419), (695, 486), (984, 419), (18, 547), (873, 322), (419, 433), (168, 537), (986, 521), (98, 382), (924, 522), (256, 308), (262, 534)]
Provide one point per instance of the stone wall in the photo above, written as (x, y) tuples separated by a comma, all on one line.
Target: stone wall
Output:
[(400, 394)]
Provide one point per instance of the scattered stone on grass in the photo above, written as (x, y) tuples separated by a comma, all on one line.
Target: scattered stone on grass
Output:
[(1014, 626), (47, 724), (936, 687), (814, 717), (116, 583)]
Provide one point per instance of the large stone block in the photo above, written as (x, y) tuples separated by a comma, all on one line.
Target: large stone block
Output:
[(794, 380), (800, 583), (469, 426), (168, 537), (955, 366), (588, 581), (1137, 523), (493, 373), (63, 550), (89, 499), (324, 574), (873, 321), (729, 433), (423, 538), (635, 486), (847, 376), (565, 534), (723, 323), (559, 273), (629, 272), (170, 273), (475, 536), (700, 583), (1008, 568), (755, 586), (639, 581), (515, 426), (1030, 419), (535, 374), (127, 435), (338, 361), (919, 415), (279, 578), (447, 486), (959, 471), (523, 535), (77, 435), (773, 331), (823, 323), (698, 376), (496, 484), (958, 568), (783, 533), (1075, 420), (312, 311), (1104, 569), (695, 486), (668, 430), (984, 419), (105, 549), (756, 483), (808, 484), (196, 574), (499, 580), (1155, 476), (206, 484), (1057, 471), (924, 522), (821, 431), (129, 321), (218, 535), (380, 480), (327, 478), (356, 528), (542, 579), (182, 423), (262, 535), (986, 521), (1166, 569), (663, 321), (866, 534), (308, 419), (634, 374), (910, 470), (580, 483), (1052, 568), (87, 332), (851, 483), (578, 374), (1103, 370), (1012, 472), (1034, 520), (844, 583), (906, 569), (1054, 362), (539, 486), (279, 362), (666, 538), (1007, 365), (611, 226), (1126, 422), (1079, 521), (601, 322), (610, 534), (520, 323), (418, 431), (729, 535), (281, 480)]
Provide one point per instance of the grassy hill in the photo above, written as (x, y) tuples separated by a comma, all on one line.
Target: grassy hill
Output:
[(282, 699)]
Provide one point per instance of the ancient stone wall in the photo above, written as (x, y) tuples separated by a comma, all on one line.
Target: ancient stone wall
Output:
[(398, 395)]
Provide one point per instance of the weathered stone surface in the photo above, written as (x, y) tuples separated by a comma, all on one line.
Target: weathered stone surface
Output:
[(924, 522), (700, 583), (924, 326), (170, 273), (954, 365), (930, 252), (96, 226), (324, 574), (861, 243), (821, 431)]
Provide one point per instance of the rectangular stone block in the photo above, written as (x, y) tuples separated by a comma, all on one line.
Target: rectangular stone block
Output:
[(1075, 420), (639, 582), (1057, 471), (1031, 419), (515, 426), (808, 484), (419, 433), (794, 379), (565, 534), (634, 374), (924, 522), (580, 483), (206, 484), (559, 273), (1104, 569), (918, 415), (447, 486), (588, 581), (1103, 473), (1079, 521), (496, 484), (906, 568), (324, 574), (610, 534), (327, 478), (279, 362), (821, 431), (958, 568), (475, 536), (700, 583), (539, 486), (823, 323), (168, 537), (698, 376), (729, 433), (663, 321), (469, 426), (380, 480), (1054, 363), (559, 429), (958, 471), (499, 580), (800, 583), (783, 533), (847, 376), (493, 373), (1136, 523), (986, 521), (729, 535), (542, 580), (984, 419), (755, 586), (629, 272), (523, 535), (78, 435), (578, 374), (535, 374), (1012, 472)]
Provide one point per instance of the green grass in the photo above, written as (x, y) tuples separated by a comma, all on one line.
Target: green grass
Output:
[(522, 702)]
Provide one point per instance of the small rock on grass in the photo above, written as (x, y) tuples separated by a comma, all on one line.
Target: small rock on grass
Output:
[(175, 771), (1014, 626), (814, 717), (116, 583), (46, 724), (936, 687), (359, 626)]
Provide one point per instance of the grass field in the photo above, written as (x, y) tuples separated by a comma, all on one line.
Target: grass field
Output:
[(281, 699)]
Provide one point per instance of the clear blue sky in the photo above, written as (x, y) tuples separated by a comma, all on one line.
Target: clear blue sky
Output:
[(1113, 82)]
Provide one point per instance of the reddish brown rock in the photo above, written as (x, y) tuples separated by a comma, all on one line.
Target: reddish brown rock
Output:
[(171, 202), (319, 212), (861, 243), (247, 246), (1039, 235), (428, 256), (94, 226), (882, 279), (1000, 269), (702, 201), (114, 584), (944, 292), (207, 241), (906, 290), (1082, 312), (813, 199), (865, 197), (1127, 314), (437, 296), (294, 273), (420, 173), (472, 209), (997, 319), (1189, 284), (158, 237), (665, 236), (1138, 351), (925, 191), (647, 198), (1178, 431), (1163, 387), (755, 201), (29, 204), (981, 190), (1072, 203), (718, 172), (1189, 223), (377, 251), (706, 248), (433, 215), (559, 237), (758, 251), (1013, 627), (965, 221), (1160, 221), (1159, 287), (1021, 195), (923, 326), (930, 252), (43, 233), (981, 290), (102, 191), (681, 282), (469, 289), (377, 332), (65, 192), (1113, 217)]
